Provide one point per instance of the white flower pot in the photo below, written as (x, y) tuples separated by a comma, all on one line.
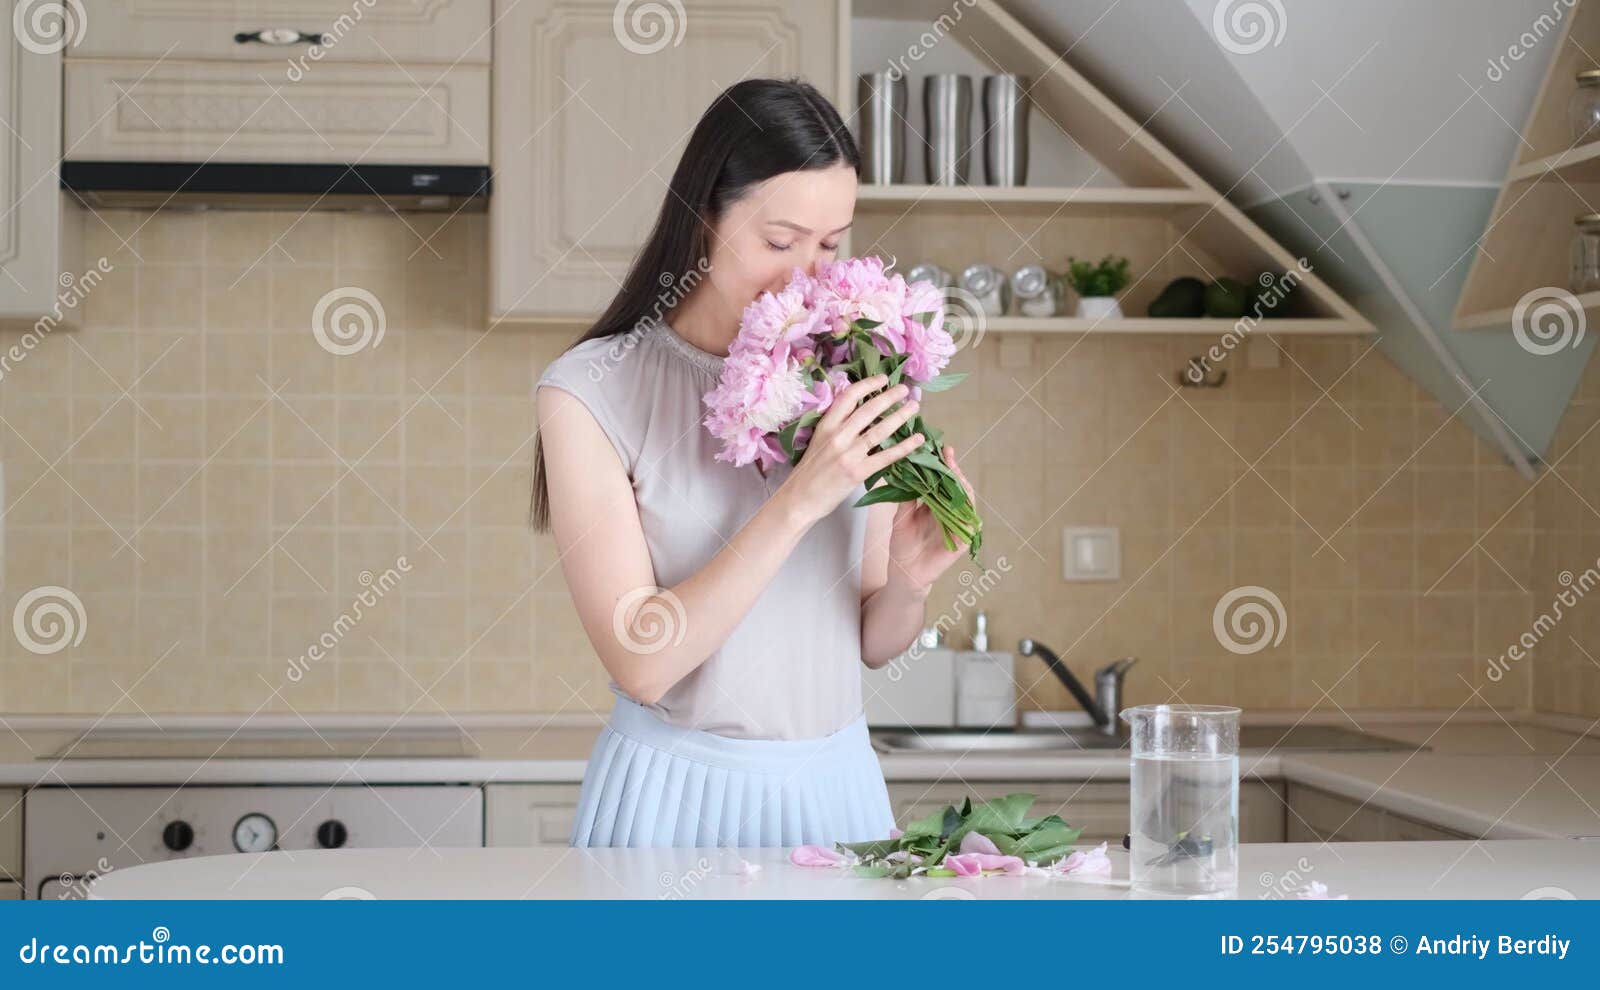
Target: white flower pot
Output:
[(1099, 308)]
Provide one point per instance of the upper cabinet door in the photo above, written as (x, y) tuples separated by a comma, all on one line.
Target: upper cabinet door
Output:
[(379, 31), (37, 225), (594, 101)]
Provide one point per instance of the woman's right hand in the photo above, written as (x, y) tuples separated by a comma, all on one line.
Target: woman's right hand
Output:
[(840, 454)]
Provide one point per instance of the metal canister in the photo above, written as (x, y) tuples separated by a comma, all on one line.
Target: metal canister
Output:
[(1037, 291), (947, 107), (1005, 130), (881, 106), (988, 286)]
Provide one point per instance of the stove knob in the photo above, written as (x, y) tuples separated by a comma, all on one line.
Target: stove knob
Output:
[(177, 836), (332, 834)]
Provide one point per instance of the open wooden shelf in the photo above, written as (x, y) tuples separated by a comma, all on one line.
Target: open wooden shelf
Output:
[(1066, 199), (1578, 163), (1500, 319), (1208, 327), (1525, 247), (1110, 188)]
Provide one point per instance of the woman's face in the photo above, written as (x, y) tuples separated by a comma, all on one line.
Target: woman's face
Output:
[(791, 220)]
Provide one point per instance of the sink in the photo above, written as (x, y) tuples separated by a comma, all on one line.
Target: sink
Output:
[(998, 740), (1258, 738)]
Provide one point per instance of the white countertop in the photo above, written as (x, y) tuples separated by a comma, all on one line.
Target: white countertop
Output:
[(1479, 774), (1411, 870)]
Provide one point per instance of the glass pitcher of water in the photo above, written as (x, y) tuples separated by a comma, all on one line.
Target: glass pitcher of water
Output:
[(1184, 832)]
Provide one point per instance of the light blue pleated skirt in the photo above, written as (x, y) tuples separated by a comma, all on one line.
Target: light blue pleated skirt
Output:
[(649, 783)]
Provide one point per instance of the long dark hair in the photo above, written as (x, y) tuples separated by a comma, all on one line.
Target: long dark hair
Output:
[(752, 131)]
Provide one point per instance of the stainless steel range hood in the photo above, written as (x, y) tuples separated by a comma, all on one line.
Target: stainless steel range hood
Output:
[(278, 185)]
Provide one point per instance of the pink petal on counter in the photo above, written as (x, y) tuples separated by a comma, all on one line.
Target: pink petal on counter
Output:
[(973, 864), (815, 856), (748, 869), (1087, 862), (1318, 891), (977, 842), (895, 833)]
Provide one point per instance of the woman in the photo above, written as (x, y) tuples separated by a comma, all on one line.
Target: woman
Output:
[(731, 609)]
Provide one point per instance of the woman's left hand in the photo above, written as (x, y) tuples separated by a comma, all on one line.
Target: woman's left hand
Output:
[(917, 553)]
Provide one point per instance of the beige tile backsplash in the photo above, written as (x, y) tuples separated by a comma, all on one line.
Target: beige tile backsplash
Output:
[(220, 491)]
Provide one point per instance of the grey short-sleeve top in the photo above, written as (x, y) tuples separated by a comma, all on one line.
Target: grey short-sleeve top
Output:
[(791, 668)]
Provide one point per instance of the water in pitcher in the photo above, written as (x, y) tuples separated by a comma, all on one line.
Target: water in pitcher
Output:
[(1185, 813)]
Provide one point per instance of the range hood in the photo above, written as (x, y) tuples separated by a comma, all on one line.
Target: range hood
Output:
[(277, 185)]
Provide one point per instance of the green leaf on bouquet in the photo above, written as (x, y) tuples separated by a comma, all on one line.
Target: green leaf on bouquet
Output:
[(786, 435), (930, 461), (885, 493), (870, 849), (866, 324), (871, 358), (939, 383)]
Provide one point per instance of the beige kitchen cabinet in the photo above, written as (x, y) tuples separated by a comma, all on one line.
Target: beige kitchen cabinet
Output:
[(166, 110), (10, 834), (590, 117), (366, 31), (529, 814), (40, 226), (1317, 816), (10, 891), (1100, 809)]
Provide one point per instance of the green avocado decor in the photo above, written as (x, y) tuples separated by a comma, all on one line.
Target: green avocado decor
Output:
[(1227, 299), (1183, 298)]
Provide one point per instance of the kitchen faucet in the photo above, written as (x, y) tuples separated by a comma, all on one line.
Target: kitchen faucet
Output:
[(1107, 684)]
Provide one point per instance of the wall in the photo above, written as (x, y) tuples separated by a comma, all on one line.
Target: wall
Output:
[(1393, 612), (213, 484), (1566, 649), (216, 487)]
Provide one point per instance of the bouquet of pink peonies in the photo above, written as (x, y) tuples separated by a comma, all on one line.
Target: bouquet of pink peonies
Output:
[(798, 348)]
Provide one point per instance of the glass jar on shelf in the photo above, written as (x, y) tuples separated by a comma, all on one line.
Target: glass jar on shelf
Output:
[(1585, 275), (1038, 291), (1583, 108)]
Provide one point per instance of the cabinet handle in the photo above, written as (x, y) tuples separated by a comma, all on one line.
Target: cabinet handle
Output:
[(278, 36)]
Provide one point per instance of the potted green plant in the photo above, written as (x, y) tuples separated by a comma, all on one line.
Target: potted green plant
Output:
[(1097, 285)]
